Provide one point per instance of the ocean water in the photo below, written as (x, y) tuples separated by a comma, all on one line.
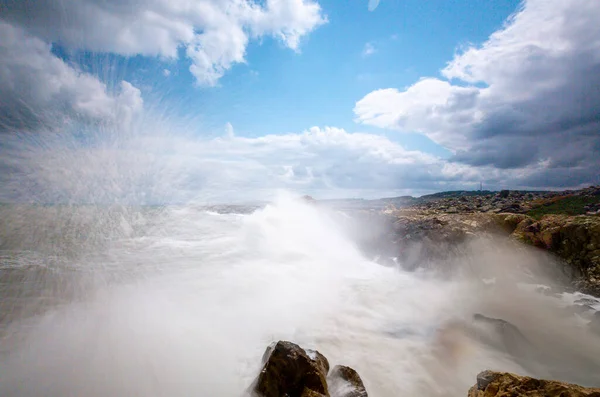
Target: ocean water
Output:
[(183, 300)]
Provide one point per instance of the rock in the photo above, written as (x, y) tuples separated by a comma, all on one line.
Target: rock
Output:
[(497, 384), (511, 338), (345, 382), (572, 238), (311, 393), (484, 379), (291, 371), (422, 239), (509, 222)]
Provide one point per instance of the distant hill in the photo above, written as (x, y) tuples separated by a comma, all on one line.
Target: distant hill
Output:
[(455, 193)]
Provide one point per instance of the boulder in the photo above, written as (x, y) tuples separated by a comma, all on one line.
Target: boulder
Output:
[(498, 384), (345, 382), (289, 370), (508, 337)]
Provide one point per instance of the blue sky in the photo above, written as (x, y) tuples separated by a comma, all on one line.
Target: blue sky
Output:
[(210, 98), (280, 90)]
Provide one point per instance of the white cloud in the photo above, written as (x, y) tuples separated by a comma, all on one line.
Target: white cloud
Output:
[(166, 72), (215, 33), (527, 95), (40, 91), (369, 49), (152, 166)]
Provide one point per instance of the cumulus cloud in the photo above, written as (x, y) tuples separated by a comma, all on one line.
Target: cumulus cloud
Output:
[(40, 91), (526, 97), (215, 33)]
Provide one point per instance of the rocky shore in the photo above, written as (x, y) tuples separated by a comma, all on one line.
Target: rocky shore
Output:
[(565, 224), (290, 371)]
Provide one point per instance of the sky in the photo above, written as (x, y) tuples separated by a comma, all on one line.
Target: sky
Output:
[(167, 100)]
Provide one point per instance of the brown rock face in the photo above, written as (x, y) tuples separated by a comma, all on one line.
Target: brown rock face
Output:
[(291, 371), (497, 384), (345, 382), (576, 239)]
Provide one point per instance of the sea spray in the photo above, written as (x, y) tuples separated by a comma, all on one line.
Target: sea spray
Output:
[(187, 306)]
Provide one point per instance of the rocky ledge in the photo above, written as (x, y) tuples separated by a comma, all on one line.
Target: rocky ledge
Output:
[(499, 384)]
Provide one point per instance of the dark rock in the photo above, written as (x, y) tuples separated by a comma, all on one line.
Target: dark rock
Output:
[(345, 382), (312, 393), (290, 371), (504, 193)]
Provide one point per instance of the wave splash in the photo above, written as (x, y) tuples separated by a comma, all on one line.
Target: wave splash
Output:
[(182, 301)]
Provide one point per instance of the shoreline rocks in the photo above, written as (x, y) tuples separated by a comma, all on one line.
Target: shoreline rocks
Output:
[(504, 384), (435, 230), (289, 370)]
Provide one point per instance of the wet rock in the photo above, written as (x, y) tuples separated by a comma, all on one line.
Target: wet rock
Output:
[(511, 338), (345, 382), (497, 384), (291, 371)]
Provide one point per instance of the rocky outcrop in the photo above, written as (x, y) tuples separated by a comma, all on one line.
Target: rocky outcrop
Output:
[(575, 239), (498, 384), (289, 370), (421, 236)]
